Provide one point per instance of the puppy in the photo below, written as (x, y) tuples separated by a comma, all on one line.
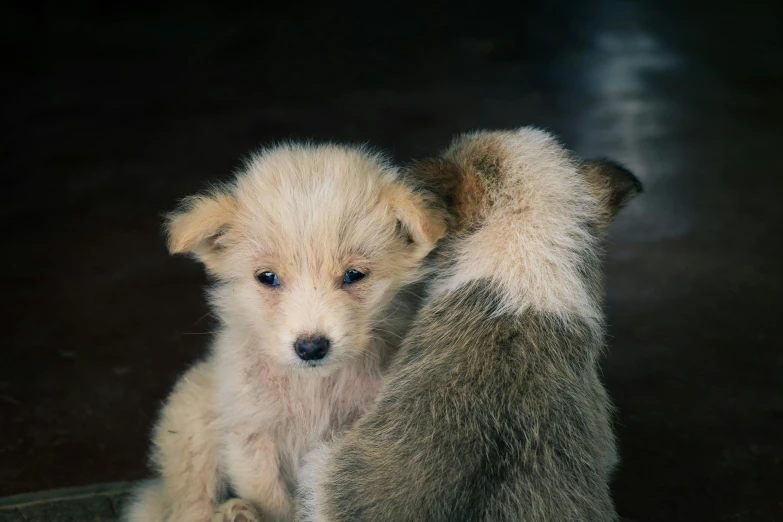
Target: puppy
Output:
[(312, 249), (494, 410)]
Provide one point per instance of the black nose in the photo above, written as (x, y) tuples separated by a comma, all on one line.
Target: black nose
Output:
[(311, 348)]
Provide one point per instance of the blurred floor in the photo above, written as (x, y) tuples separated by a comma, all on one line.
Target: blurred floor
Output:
[(110, 118)]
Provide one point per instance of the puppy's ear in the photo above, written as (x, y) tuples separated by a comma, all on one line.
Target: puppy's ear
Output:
[(421, 217), (457, 187), (199, 224), (613, 185)]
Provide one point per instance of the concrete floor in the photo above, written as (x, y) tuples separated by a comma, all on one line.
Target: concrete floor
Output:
[(94, 503), (111, 115)]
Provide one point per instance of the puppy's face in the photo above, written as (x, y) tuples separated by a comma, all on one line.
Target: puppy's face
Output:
[(309, 246)]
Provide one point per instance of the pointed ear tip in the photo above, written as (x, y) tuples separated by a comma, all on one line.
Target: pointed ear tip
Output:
[(175, 246), (620, 175), (438, 224), (638, 185), (634, 182), (172, 231), (434, 235), (634, 186)]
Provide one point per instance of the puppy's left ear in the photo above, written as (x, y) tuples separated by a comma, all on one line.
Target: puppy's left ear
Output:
[(199, 225), (421, 217), (613, 185)]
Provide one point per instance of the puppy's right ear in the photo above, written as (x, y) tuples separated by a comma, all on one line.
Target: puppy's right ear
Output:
[(613, 185), (459, 188), (199, 225), (420, 217)]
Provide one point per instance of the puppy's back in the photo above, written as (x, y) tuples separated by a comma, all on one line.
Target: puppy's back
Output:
[(489, 417)]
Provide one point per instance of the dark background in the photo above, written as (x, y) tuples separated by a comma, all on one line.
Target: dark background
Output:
[(112, 113)]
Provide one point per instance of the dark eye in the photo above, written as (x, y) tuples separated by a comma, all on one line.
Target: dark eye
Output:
[(267, 278), (352, 276)]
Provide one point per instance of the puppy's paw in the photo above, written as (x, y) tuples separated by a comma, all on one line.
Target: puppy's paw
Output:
[(235, 510)]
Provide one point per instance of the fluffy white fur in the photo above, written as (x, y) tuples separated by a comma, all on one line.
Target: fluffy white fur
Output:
[(241, 419), (537, 214), (313, 465)]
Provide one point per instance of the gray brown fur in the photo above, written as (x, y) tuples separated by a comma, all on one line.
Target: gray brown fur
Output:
[(494, 411)]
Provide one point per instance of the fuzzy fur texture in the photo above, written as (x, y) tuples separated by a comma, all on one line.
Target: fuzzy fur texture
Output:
[(230, 436), (494, 410)]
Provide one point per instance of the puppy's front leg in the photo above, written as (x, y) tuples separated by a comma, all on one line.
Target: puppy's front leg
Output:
[(253, 463), (235, 510), (186, 449), (310, 472)]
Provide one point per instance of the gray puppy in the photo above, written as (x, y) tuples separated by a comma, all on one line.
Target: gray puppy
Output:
[(494, 410)]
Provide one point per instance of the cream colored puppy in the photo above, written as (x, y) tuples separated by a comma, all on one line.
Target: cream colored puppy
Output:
[(311, 248)]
